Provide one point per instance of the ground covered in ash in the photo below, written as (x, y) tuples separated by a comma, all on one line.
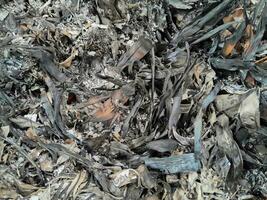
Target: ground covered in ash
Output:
[(138, 99)]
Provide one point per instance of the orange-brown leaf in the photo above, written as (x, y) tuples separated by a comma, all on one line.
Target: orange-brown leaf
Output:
[(105, 112), (248, 36), (67, 63), (228, 48)]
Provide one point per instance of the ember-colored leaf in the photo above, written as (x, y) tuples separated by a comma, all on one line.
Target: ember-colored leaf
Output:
[(105, 112)]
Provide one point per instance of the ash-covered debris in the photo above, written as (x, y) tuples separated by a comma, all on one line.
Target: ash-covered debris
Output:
[(116, 99)]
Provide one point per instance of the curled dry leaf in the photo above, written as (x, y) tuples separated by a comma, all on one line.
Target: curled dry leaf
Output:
[(67, 63)]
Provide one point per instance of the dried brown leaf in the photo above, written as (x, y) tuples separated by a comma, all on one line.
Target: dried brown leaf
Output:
[(228, 48), (31, 134), (105, 112), (109, 109), (67, 63)]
